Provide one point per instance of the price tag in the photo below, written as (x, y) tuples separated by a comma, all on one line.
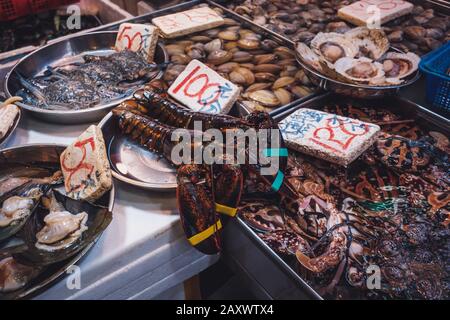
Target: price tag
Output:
[(202, 89), (374, 13), (186, 22), (328, 136), (137, 38)]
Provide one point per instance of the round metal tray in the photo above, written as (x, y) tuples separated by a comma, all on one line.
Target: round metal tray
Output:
[(96, 43), (353, 90), (45, 154), (133, 164), (11, 130)]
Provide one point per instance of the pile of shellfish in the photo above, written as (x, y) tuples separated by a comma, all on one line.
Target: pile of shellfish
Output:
[(359, 56), (266, 72), (419, 32), (40, 227), (386, 215)]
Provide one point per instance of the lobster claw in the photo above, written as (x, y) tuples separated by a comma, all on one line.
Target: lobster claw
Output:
[(196, 205), (228, 189)]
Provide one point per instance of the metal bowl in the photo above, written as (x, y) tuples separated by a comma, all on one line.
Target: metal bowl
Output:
[(133, 164), (353, 90), (11, 130), (45, 154), (97, 43)]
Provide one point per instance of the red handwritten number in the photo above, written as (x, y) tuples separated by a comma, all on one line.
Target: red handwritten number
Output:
[(130, 40), (190, 80), (80, 165), (330, 129)]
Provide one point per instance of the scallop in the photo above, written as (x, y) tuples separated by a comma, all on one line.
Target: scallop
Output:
[(397, 66), (309, 57), (371, 43), (360, 71), (333, 46)]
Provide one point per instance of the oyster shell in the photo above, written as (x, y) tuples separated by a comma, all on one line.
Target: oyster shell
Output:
[(371, 43), (397, 66), (360, 71), (333, 46), (309, 57)]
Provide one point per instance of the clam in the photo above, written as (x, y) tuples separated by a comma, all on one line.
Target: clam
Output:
[(213, 45), (300, 91), (242, 56), (219, 57), (227, 67), (333, 46), (371, 43), (248, 44), (61, 228), (265, 98), (180, 58), (258, 86), (242, 76), (283, 95), (269, 68), (201, 38), (362, 70), (265, 76), (283, 82), (229, 35), (265, 58)]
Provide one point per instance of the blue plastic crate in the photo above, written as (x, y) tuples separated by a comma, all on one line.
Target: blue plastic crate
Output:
[(436, 67)]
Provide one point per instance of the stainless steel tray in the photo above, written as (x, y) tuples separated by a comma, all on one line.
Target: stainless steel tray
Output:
[(266, 273), (134, 164), (45, 154), (97, 43)]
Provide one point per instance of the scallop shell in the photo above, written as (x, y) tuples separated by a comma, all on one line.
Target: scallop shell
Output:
[(309, 57), (371, 43), (399, 65), (360, 71), (333, 46)]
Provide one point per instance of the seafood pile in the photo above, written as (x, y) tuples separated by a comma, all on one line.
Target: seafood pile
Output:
[(419, 32), (206, 194), (266, 72), (359, 56), (40, 226), (97, 80), (385, 218)]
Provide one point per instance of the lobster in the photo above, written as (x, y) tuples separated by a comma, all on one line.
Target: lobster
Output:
[(204, 191)]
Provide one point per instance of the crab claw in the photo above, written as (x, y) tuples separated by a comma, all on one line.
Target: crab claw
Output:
[(196, 205)]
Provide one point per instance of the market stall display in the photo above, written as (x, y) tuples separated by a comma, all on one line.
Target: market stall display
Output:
[(361, 184)]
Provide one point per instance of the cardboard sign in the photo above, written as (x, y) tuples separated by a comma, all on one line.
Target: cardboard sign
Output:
[(186, 22), (328, 136), (138, 38), (202, 89), (85, 166), (368, 12)]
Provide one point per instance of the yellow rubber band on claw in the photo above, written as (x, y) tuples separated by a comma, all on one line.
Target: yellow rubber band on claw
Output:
[(205, 234), (229, 211)]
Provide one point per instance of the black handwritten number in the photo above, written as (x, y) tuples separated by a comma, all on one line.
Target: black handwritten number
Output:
[(224, 309)]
